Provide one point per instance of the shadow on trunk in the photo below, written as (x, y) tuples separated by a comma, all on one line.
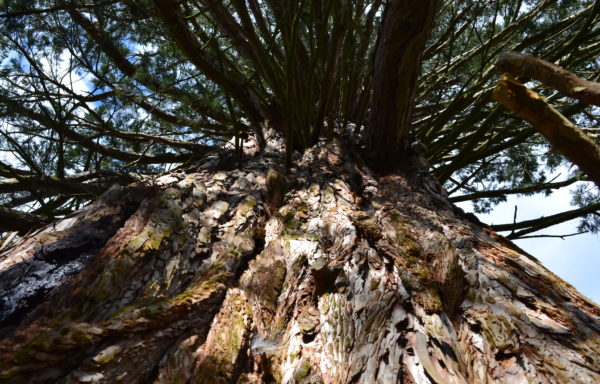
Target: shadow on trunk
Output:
[(324, 274)]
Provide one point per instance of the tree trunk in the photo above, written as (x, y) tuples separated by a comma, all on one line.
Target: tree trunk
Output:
[(228, 273), (397, 62)]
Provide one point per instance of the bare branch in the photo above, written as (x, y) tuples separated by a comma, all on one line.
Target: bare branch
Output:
[(545, 222), (13, 220), (519, 64), (513, 191), (560, 132), (553, 236)]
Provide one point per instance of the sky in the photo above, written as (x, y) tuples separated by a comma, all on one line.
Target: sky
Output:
[(575, 259)]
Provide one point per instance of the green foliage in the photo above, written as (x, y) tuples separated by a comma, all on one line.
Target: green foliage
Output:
[(96, 87), (474, 144)]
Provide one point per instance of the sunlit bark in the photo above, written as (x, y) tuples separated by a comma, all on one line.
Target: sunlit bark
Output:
[(220, 273)]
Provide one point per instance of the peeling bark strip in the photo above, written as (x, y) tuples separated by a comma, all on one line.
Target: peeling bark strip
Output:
[(326, 275), (560, 132), (519, 64)]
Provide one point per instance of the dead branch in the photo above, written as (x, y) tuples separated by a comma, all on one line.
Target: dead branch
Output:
[(560, 132), (519, 64)]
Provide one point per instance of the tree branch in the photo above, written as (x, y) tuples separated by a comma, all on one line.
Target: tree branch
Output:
[(519, 64), (74, 185), (49, 183), (562, 237), (89, 143), (232, 83), (13, 220), (512, 191), (560, 132), (8, 171), (107, 45), (40, 11), (545, 222)]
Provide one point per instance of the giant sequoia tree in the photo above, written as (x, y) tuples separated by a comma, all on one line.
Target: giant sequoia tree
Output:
[(261, 191)]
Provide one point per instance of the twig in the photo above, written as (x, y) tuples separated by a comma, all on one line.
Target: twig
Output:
[(555, 236)]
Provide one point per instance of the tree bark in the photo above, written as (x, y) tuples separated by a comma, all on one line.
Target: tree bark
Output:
[(553, 76), (397, 63), (242, 274), (570, 140)]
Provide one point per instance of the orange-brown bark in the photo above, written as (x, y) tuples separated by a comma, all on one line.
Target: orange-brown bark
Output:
[(347, 278), (560, 132), (529, 66)]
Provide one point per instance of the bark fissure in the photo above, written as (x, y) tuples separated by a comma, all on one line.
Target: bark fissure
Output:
[(326, 274)]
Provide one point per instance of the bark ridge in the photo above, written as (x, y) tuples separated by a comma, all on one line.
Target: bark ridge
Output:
[(224, 273)]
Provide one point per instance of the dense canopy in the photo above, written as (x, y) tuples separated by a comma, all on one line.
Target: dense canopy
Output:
[(103, 92)]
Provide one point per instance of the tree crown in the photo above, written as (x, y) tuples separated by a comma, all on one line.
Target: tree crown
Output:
[(97, 93)]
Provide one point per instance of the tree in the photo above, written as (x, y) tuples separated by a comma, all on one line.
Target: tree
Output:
[(303, 234)]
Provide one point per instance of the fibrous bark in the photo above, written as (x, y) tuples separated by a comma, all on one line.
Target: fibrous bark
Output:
[(327, 274), (397, 62)]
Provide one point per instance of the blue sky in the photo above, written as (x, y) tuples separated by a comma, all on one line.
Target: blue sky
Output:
[(576, 259)]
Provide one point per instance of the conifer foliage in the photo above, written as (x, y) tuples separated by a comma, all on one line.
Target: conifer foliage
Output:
[(106, 92)]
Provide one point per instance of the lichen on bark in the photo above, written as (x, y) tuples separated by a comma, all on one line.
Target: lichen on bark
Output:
[(348, 277)]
